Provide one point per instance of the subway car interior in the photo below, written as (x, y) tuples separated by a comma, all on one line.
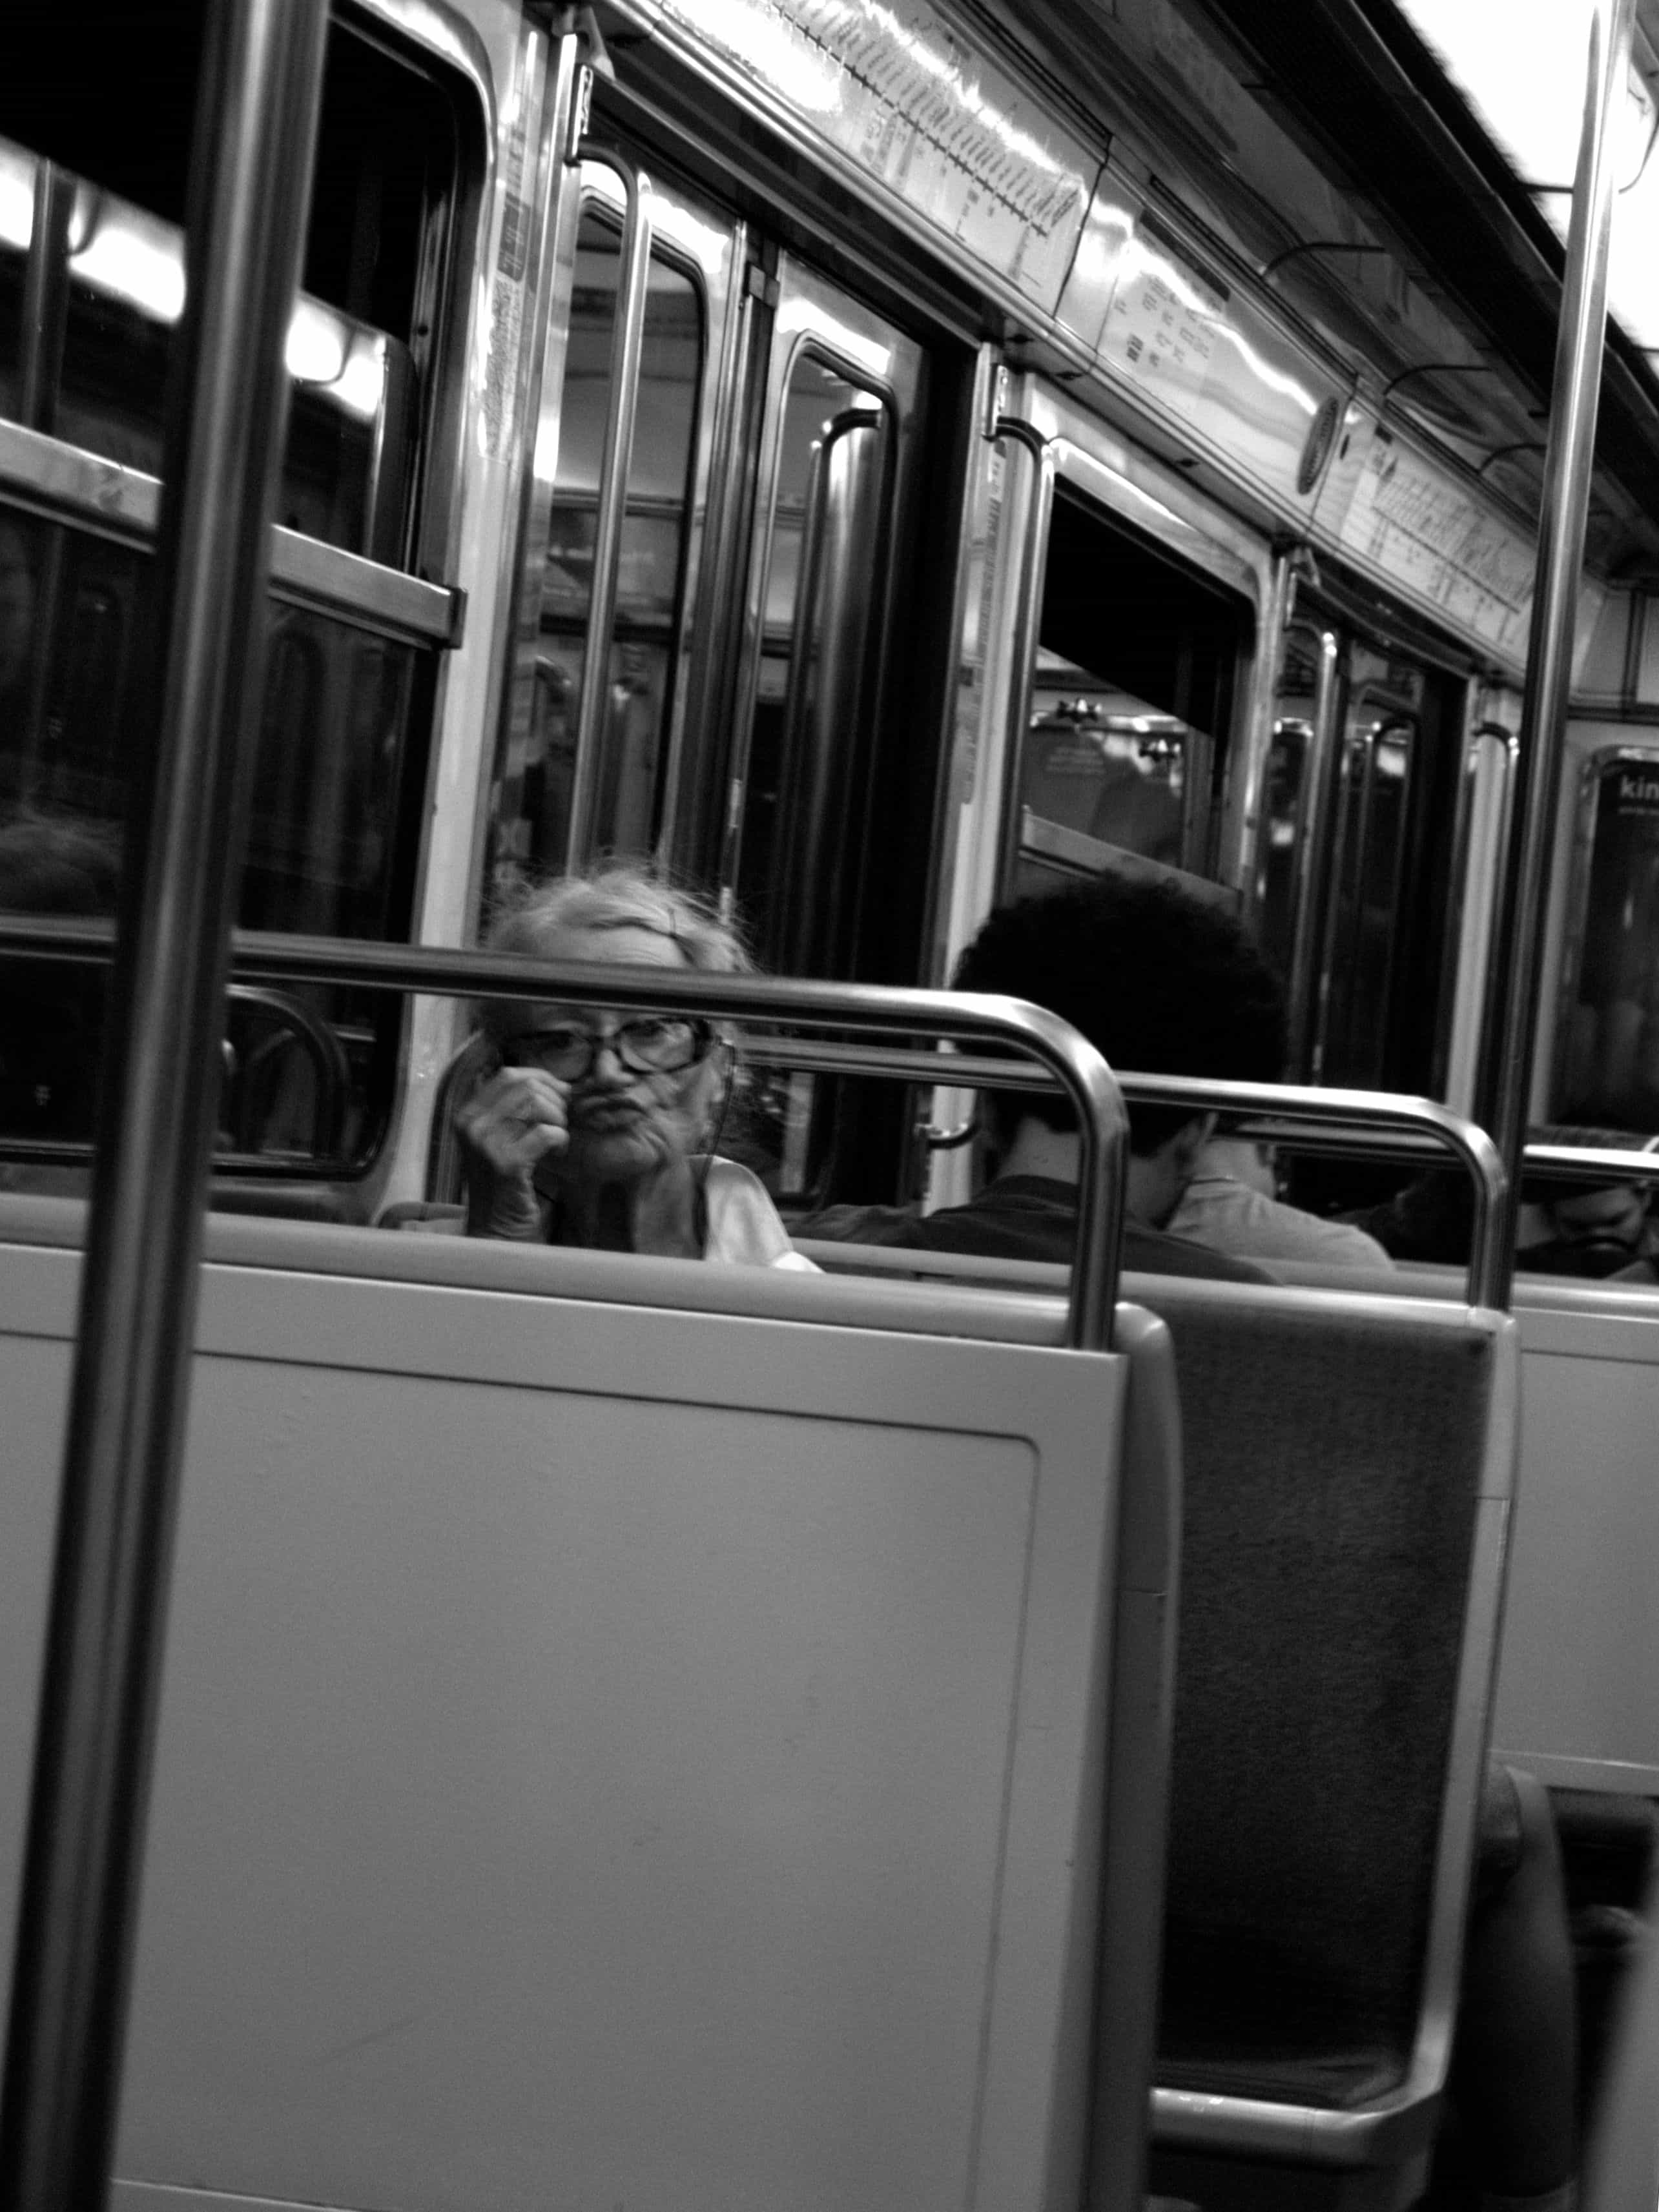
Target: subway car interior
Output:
[(632, 1654)]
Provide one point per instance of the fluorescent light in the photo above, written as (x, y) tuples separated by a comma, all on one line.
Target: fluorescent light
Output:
[(16, 197), (127, 255), (1523, 66)]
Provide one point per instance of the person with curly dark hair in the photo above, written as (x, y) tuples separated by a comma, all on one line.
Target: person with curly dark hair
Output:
[(1160, 981), (1163, 982)]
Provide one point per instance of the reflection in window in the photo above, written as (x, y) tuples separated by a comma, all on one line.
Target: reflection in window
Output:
[(338, 767), (1288, 837), (1105, 764), (1374, 792), (1607, 1054), (93, 366), (533, 811), (1132, 701)]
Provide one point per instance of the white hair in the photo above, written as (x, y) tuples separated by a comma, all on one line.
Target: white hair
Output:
[(614, 895)]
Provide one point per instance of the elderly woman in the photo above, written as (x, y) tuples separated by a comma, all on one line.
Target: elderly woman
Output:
[(597, 1126)]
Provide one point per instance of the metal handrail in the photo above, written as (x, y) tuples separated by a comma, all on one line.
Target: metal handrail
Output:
[(1028, 621), (944, 1015), (627, 348), (1596, 1166), (1517, 957), (258, 96), (1379, 1110)]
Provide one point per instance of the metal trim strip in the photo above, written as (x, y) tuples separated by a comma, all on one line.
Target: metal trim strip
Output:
[(68, 485)]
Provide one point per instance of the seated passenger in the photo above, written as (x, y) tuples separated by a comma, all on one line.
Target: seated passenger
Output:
[(599, 1126), (1602, 1231), (1163, 983), (1233, 1203)]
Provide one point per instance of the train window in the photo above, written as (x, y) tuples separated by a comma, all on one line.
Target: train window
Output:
[(1295, 806), (821, 615), (339, 760), (1606, 1061), (1285, 825), (533, 825), (1284, 807), (1131, 704), (108, 279), (71, 613), (1375, 771)]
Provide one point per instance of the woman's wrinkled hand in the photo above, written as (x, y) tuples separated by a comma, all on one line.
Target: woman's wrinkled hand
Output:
[(507, 1127)]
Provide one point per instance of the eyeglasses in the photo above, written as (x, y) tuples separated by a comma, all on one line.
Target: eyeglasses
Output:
[(655, 1044)]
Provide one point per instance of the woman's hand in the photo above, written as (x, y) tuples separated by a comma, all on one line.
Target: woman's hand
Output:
[(507, 1127)]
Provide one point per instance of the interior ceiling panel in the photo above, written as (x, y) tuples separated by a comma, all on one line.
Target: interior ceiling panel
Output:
[(1322, 142)]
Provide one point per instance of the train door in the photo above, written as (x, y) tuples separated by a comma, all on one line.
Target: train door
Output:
[(844, 391), (1290, 853), (725, 447), (635, 378), (1112, 648), (1599, 1031)]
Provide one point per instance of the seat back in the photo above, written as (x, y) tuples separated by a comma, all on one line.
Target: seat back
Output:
[(1348, 1462), (611, 1735)]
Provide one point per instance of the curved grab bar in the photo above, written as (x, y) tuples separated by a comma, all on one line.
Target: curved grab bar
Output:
[(1379, 1110), (1067, 1058), (1028, 621)]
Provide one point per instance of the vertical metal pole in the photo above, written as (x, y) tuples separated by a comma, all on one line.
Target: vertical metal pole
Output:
[(1517, 952), (256, 115)]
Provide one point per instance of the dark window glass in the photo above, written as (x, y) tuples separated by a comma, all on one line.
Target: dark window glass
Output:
[(1132, 700), (533, 801), (111, 285), (1608, 1053), (830, 519), (338, 777)]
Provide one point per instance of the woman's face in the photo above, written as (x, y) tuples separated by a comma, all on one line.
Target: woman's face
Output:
[(625, 1123)]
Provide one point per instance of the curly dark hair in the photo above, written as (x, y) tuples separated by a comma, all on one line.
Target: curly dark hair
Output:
[(1162, 982)]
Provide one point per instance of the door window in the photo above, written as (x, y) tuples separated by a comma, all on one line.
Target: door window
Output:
[(646, 391), (1131, 704), (1607, 1068)]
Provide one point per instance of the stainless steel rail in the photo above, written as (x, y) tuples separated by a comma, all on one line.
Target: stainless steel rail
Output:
[(110, 500), (256, 115), (1519, 942), (1066, 1057), (1597, 1166), (1027, 624)]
